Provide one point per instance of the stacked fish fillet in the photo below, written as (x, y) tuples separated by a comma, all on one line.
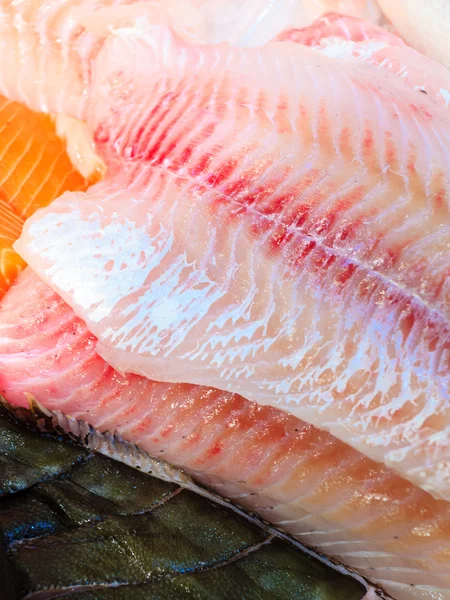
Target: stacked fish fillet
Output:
[(258, 290)]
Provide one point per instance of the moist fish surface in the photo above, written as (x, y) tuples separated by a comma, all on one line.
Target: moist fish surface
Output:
[(10, 262), (48, 352), (335, 34), (424, 25), (295, 476), (255, 22), (281, 233), (34, 169), (52, 45)]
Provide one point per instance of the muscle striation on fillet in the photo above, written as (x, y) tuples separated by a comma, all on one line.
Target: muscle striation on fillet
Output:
[(278, 233), (297, 477), (344, 37)]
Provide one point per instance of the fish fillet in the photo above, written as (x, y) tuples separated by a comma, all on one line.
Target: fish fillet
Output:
[(335, 34), (52, 44), (256, 22), (34, 169), (34, 166), (424, 25), (281, 233), (304, 480), (10, 262)]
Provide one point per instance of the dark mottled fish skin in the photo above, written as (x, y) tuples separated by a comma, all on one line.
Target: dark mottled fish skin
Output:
[(150, 538), (112, 445)]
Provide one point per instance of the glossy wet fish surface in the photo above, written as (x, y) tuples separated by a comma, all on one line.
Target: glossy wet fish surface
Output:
[(258, 289), (258, 237), (296, 477), (34, 170)]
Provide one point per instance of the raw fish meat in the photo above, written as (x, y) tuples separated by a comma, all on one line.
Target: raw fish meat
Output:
[(302, 479), (10, 262), (363, 9), (271, 200), (34, 169), (278, 232), (424, 25), (335, 35), (256, 22), (337, 26), (80, 147), (51, 45)]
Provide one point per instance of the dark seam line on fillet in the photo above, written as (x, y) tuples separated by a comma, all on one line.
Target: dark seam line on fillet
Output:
[(144, 511), (319, 242)]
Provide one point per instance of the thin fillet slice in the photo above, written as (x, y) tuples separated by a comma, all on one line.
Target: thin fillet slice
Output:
[(295, 476), (335, 34), (336, 25), (279, 233), (51, 45), (424, 25), (256, 22)]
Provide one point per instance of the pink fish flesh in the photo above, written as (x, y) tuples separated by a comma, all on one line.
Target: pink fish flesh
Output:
[(281, 233), (297, 477)]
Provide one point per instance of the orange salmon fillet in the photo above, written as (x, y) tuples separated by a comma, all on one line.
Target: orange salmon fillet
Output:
[(34, 170), (10, 262)]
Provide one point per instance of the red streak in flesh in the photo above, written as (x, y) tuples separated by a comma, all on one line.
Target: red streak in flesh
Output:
[(294, 217)]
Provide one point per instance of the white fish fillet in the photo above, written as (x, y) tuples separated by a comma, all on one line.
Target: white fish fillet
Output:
[(275, 223), (51, 45), (336, 35), (425, 25), (256, 22), (80, 145), (303, 480)]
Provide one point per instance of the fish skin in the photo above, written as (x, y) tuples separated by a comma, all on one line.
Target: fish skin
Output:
[(273, 180), (322, 491), (424, 25)]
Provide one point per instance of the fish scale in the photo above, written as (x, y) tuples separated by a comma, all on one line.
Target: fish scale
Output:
[(298, 478)]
